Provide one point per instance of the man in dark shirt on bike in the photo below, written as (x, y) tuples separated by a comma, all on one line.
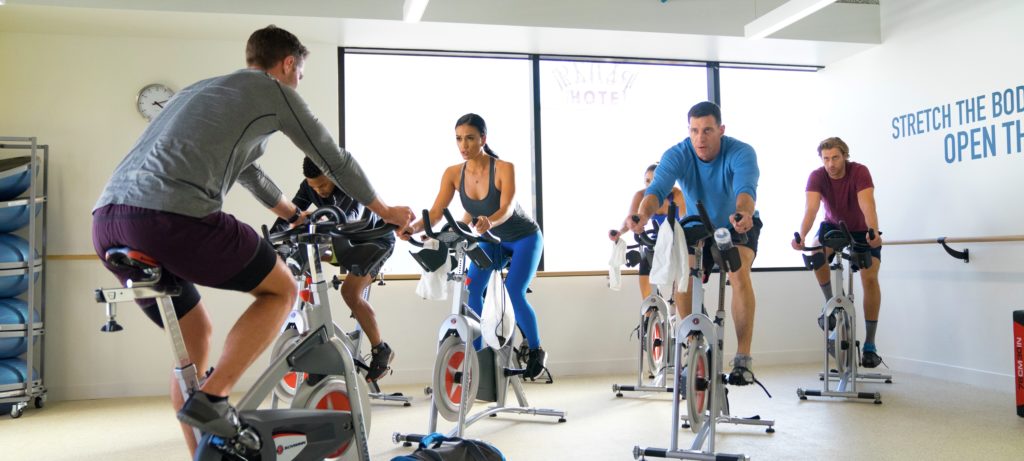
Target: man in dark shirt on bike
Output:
[(848, 193), (318, 190)]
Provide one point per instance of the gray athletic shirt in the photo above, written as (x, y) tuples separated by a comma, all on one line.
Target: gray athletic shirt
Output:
[(210, 135)]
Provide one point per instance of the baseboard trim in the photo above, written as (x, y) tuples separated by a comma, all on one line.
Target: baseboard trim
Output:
[(971, 376)]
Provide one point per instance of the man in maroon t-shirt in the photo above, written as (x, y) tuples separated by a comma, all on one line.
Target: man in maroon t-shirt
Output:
[(846, 189)]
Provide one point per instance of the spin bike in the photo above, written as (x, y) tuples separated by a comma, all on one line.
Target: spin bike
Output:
[(841, 335), (461, 373), (298, 320), (655, 328), (703, 378), (312, 429)]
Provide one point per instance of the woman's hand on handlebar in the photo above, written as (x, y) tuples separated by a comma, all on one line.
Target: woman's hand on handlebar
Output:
[(744, 223), (481, 224), (635, 223), (614, 235)]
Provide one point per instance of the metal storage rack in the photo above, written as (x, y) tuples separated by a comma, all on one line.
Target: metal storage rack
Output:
[(18, 395)]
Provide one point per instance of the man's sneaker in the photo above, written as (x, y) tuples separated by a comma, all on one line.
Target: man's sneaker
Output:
[(870, 359), (380, 361), (536, 362), (217, 418), (831, 321), (741, 376)]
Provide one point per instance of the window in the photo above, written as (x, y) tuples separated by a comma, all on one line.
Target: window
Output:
[(603, 123), (779, 114), (400, 113)]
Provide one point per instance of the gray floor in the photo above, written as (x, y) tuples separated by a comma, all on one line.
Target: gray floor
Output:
[(920, 419)]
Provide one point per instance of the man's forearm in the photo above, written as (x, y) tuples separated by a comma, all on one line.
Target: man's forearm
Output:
[(745, 203), (284, 208), (377, 206), (871, 218), (648, 205)]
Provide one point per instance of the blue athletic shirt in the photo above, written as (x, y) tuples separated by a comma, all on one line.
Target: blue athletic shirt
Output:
[(716, 183)]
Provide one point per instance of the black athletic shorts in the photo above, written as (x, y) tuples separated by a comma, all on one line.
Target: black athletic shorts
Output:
[(217, 251), (752, 237)]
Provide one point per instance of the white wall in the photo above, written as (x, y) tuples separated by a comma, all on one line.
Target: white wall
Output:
[(76, 93), (940, 316)]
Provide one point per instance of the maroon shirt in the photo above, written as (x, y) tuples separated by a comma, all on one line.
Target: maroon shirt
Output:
[(840, 195)]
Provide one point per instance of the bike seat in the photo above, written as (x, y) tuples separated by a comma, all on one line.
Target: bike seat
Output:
[(127, 258)]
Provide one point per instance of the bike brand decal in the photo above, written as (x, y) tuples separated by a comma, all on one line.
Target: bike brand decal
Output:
[(289, 446)]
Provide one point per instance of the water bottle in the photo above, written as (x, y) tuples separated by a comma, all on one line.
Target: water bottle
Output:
[(723, 239)]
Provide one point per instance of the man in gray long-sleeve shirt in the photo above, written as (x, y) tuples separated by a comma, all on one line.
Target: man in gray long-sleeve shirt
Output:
[(165, 198)]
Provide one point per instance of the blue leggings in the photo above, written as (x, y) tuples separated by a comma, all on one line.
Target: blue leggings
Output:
[(525, 254)]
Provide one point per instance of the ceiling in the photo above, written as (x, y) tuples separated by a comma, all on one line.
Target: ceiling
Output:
[(705, 30)]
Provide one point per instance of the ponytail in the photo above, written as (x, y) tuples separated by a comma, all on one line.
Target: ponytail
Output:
[(488, 151)]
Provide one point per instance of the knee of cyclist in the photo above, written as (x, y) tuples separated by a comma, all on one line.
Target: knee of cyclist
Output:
[(288, 293), (740, 280), (352, 300)]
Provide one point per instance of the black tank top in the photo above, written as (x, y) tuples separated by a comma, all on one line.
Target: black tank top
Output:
[(517, 226)]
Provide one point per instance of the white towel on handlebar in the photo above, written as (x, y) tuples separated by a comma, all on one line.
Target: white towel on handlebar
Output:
[(615, 264), (671, 263), (432, 286)]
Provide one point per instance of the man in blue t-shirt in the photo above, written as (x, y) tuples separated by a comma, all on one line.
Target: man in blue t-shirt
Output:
[(721, 172)]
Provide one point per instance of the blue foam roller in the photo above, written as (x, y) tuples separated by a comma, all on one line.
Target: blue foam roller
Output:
[(14, 371), (13, 250), (14, 177), (15, 217), (13, 317)]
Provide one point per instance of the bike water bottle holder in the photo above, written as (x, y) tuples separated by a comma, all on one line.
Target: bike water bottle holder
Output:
[(814, 260), (478, 256), (633, 258), (730, 257), (861, 258), (431, 260)]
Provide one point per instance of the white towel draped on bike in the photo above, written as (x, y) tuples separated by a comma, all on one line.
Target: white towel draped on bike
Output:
[(615, 264), (497, 316), (432, 286), (671, 264)]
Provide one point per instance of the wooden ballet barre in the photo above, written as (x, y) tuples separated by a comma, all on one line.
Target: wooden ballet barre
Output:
[(961, 255)]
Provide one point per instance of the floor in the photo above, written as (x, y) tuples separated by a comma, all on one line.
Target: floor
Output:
[(920, 419)]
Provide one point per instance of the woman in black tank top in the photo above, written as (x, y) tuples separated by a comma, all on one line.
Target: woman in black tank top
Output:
[(486, 188)]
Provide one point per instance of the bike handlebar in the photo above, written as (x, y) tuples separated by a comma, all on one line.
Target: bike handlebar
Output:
[(334, 226), (457, 227), (428, 227), (845, 234), (700, 218)]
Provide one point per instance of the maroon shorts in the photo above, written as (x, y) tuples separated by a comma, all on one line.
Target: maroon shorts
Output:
[(217, 251)]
